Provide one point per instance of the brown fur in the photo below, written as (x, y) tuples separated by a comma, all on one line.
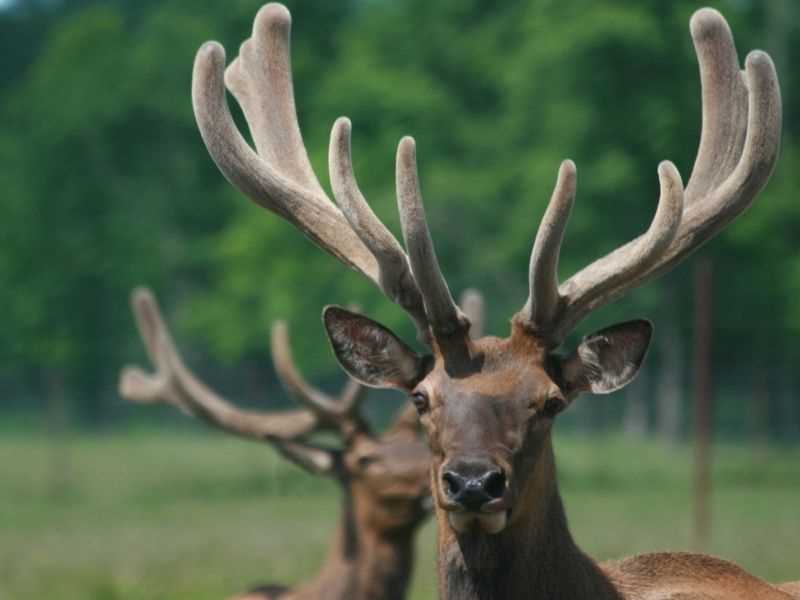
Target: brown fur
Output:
[(535, 555), (371, 554), (792, 588), (495, 405)]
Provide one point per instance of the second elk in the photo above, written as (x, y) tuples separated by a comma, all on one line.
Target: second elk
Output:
[(383, 478)]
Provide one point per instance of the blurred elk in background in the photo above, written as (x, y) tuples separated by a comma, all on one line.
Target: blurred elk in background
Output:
[(383, 478)]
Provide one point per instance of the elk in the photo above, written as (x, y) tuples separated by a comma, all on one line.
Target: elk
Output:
[(488, 404), (384, 479)]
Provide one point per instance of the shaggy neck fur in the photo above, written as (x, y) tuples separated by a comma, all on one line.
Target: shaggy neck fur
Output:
[(533, 557)]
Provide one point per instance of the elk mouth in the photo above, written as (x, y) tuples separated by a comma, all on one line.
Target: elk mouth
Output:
[(490, 518), (488, 522)]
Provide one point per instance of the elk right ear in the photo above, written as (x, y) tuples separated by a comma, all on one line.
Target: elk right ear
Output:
[(370, 353), (607, 360)]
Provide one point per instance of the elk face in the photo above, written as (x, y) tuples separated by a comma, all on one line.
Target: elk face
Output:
[(485, 428), (488, 412), (389, 479)]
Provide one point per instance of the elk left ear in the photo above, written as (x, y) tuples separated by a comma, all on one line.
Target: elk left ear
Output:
[(607, 360), (370, 353)]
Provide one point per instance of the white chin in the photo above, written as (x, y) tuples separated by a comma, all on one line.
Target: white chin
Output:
[(493, 522), (460, 521), (490, 523)]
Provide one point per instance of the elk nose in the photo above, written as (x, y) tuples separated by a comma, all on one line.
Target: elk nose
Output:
[(472, 489)]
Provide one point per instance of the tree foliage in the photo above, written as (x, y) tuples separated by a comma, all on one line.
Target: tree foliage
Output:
[(107, 184)]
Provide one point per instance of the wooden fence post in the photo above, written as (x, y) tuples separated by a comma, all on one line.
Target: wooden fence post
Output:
[(703, 402)]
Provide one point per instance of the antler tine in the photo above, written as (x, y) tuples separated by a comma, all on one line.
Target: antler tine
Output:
[(543, 298), (307, 210), (320, 461), (260, 79), (351, 397), (740, 137), (174, 384), (326, 407), (280, 178), (445, 318), (396, 281), (604, 280), (135, 384), (724, 103), (473, 305), (738, 148)]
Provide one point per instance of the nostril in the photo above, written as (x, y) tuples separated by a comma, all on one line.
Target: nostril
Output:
[(452, 482), (495, 484)]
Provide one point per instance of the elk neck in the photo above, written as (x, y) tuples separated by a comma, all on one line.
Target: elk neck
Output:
[(533, 557), (363, 561)]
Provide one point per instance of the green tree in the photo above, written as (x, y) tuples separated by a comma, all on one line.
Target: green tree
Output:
[(107, 183)]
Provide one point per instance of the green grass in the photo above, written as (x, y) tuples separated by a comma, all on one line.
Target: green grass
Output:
[(153, 516)]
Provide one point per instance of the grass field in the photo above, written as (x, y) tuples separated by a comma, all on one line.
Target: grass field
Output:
[(154, 515)]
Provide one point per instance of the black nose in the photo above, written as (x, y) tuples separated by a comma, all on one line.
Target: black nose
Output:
[(472, 485)]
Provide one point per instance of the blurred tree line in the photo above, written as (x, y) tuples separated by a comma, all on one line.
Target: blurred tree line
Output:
[(107, 185)]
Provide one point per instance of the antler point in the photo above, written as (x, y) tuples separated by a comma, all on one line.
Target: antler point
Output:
[(271, 15), (343, 123), (340, 132), (568, 173), (666, 168), (142, 298), (140, 291), (707, 22), (406, 155), (408, 144), (211, 51), (758, 59)]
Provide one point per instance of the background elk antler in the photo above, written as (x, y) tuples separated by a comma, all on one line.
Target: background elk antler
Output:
[(384, 479), (172, 383)]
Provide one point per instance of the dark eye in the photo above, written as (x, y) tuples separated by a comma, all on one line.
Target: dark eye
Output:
[(420, 401), (365, 460)]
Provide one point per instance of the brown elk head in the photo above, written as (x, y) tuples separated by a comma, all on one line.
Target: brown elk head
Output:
[(487, 404), (385, 476), (487, 408)]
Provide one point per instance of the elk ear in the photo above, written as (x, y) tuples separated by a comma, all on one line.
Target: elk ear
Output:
[(607, 360), (370, 353)]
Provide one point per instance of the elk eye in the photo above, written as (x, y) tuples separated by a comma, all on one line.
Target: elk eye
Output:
[(420, 401), (365, 460)]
